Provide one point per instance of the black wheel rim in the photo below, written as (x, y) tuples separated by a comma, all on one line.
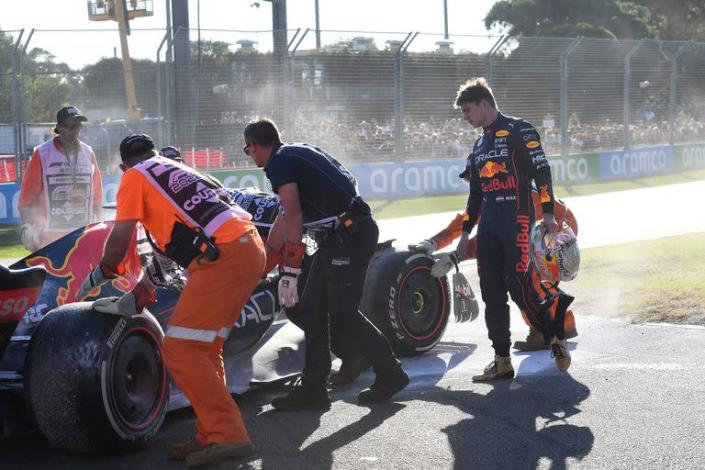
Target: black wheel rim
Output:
[(137, 379), (421, 303)]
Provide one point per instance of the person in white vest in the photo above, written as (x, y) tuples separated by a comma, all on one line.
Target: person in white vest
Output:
[(61, 188)]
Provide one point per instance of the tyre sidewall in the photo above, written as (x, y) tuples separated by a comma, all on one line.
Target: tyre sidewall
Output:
[(69, 380), (388, 272)]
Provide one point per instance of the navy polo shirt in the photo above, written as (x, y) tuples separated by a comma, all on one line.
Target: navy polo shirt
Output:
[(326, 187)]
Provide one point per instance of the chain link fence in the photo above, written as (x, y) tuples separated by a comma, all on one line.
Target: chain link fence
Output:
[(365, 97)]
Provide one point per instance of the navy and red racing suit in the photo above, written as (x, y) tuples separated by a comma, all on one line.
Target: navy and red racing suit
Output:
[(505, 160)]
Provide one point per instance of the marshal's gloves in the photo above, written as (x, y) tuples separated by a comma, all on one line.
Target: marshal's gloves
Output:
[(132, 303), (464, 302), (289, 286), (444, 264), (289, 274), (30, 237), (426, 246), (99, 276)]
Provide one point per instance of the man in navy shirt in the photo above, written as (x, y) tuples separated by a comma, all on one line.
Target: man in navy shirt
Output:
[(316, 190)]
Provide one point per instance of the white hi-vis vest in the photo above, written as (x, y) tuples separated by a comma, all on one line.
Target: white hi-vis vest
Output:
[(67, 187)]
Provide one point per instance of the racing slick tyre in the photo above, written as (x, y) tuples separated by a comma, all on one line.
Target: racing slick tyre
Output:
[(96, 382), (404, 301)]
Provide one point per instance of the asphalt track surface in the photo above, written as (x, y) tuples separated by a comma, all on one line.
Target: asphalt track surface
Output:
[(634, 397)]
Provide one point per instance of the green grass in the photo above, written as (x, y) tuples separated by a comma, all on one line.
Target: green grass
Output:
[(391, 208), (10, 246), (655, 280)]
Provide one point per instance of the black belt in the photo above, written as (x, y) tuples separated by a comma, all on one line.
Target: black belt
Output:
[(499, 198), (346, 223)]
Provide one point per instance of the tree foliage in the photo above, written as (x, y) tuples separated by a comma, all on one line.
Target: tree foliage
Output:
[(48, 85), (560, 18), (677, 19)]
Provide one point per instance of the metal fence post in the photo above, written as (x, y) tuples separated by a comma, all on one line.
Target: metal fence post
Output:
[(672, 92), (169, 82), (160, 110), (489, 65), (288, 85), (399, 96), (290, 118), (16, 101), (627, 89), (564, 94), (22, 109)]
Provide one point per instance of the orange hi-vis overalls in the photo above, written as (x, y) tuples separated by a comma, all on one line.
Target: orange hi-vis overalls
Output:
[(562, 214), (161, 193), (60, 194)]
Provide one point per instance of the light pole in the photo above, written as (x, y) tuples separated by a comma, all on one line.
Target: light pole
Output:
[(445, 17), (318, 28)]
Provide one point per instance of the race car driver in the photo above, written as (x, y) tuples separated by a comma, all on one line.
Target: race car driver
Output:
[(505, 160), (61, 189), (195, 223), (447, 261), (317, 190)]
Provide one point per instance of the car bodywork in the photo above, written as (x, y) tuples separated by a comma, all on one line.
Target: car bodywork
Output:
[(400, 296)]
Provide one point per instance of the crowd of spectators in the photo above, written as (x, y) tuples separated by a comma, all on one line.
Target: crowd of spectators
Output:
[(373, 140)]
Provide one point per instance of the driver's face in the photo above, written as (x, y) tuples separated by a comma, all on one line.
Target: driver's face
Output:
[(473, 113)]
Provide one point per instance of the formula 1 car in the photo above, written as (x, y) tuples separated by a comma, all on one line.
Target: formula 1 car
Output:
[(97, 382)]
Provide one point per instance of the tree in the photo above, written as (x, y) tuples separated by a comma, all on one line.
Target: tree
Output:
[(589, 18), (48, 85), (678, 19), (5, 78), (103, 86)]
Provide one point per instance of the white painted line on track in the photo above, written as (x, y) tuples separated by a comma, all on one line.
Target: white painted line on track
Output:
[(603, 219)]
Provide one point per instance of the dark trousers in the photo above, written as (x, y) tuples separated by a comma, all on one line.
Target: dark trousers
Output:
[(341, 344), (334, 288), (504, 264)]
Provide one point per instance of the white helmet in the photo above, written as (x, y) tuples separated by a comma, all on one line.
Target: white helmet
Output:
[(555, 255)]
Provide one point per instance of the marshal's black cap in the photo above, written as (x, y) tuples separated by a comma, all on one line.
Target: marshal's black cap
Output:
[(135, 145), (68, 112)]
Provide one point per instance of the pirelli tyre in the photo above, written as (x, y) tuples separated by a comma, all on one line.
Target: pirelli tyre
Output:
[(407, 304), (96, 382)]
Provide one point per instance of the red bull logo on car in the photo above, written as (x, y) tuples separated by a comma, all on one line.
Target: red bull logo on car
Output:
[(81, 258), (490, 169)]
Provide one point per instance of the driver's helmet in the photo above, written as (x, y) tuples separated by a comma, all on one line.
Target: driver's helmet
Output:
[(555, 255)]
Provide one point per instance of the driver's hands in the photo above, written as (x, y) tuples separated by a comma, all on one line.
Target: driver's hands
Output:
[(444, 264), (425, 246), (288, 286), (550, 224)]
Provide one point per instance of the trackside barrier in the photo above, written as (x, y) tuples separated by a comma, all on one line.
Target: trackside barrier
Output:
[(436, 177)]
